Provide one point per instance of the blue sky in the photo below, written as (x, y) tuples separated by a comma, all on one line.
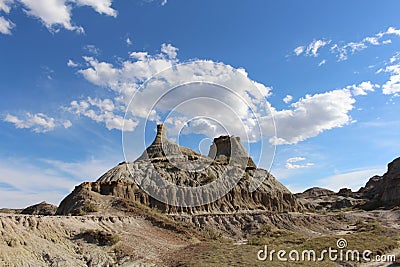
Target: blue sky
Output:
[(328, 73)]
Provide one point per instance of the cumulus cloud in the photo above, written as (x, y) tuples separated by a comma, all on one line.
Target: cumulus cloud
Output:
[(311, 116), (6, 26), (100, 6), (54, 14), (101, 110), (288, 99), (201, 97), (39, 122), (169, 50), (290, 163), (363, 88), (392, 86), (72, 64)]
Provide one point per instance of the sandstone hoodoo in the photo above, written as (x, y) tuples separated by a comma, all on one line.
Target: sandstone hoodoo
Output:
[(225, 148), (166, 170)]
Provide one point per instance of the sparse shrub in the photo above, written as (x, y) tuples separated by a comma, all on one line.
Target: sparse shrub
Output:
[(99, 237), (213, 234), (255, 241), (265, 229), (367, 226), (156, 209), (87, 207)]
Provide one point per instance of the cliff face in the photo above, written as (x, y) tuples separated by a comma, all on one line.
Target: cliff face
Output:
[(384, 191), (176, 179)]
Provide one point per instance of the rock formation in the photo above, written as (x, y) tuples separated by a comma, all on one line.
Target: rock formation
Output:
[(225, 148), (383, 191), (166, 170), (379, 192), (315, 192), (42, 208)]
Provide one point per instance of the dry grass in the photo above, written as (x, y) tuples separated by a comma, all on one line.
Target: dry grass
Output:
[(369, 236)]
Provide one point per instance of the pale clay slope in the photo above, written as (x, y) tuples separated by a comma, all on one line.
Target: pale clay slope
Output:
[(27, 240)]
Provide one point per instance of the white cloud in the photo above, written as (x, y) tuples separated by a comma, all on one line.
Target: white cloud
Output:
[(6, 26), (392, 86), (164, 2), (101, 6), (5, 5), (299, 50), (92, 49), (102, 111), (126, 79), (288, 99), (169, 50), (307, 118), (392, 30), (71, 63), (55, 14), (289, 163), (128, 41), (311, 116), (39, 122), (323, 62), (52, 13), (353, 179), (342, 50), (67, 124), (372, 40), (363, 88), (314, 46)]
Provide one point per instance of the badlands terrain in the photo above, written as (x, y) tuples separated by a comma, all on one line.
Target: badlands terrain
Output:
[(129, 217)]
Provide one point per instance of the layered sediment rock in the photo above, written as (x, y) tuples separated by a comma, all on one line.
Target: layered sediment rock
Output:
[(42, 208), (177, 179), (383, 191)]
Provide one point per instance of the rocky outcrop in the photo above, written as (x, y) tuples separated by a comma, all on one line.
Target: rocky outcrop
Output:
[(162, 147), (175, 179), (315, 192), (380, 192), (42, 208), (383, 191), (225, 148)]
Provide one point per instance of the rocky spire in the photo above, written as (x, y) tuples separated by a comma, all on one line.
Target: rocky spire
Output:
[(162, 147), (228, 148)]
